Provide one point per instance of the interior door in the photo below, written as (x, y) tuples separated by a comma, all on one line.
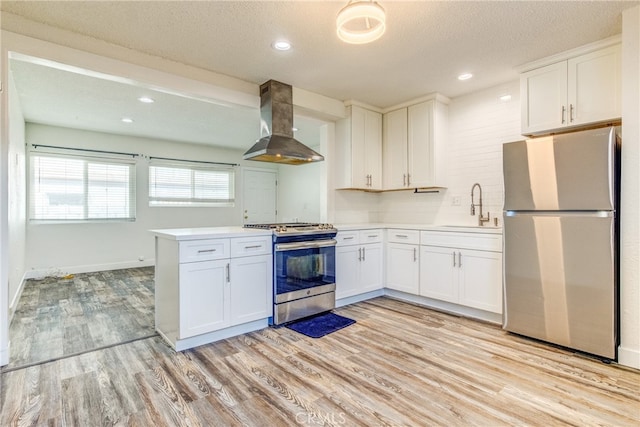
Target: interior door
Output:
[(259, 196)]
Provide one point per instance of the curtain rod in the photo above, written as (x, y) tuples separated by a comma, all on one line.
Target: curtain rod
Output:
[(86, 150), (194, 161)]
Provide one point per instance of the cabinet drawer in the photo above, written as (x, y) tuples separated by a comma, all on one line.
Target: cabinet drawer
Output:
[(403, 236), (483, 242), (370, 236), (248, 246), (204, 250), (345, 238)]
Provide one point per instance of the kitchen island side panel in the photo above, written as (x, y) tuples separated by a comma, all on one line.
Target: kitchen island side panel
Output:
[(167, 313)]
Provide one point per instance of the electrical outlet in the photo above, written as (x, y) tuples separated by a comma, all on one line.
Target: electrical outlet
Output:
[(455, 201)]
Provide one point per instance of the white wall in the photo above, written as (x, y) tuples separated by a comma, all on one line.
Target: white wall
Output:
[(629, 350), (17, 196), (299, 192), (75, 247)]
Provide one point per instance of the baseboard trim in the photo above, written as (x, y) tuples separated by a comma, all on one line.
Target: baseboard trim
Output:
[(77, 269), (629, 357), (14, 302), (358, 298), (446, 307)]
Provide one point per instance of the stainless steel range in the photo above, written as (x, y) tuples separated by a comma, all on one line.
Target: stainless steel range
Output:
[(304, 269)]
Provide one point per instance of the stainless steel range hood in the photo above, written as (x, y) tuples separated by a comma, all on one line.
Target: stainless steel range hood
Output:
[(276, 121)]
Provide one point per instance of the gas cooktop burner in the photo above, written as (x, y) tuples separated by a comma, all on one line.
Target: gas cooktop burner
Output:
[(292, 228)]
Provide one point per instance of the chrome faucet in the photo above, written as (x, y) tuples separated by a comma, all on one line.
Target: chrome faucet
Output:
[(481, 219)]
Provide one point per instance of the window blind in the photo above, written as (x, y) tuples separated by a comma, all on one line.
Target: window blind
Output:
[(177, 184), (79, 188)]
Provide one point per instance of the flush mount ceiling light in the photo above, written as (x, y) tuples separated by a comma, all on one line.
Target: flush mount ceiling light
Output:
[(360, 22), (465, 76), (127, 120), (146, 100), (281, 45)]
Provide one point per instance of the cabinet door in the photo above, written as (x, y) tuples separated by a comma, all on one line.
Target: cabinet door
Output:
[(395, 149), (204, 297), (347, 270), (250, 282), (544, 98), (420, 145), (371, 268), (358, 147), (403, 267), (366, 149), (480, 277), (595, 86), (439, 273), (373, 149)]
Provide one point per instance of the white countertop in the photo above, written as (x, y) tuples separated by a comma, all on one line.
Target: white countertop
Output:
[(238, 231), (209, 233), (422, 227)]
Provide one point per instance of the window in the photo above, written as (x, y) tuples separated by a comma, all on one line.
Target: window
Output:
[(76, 188), (172, 184)]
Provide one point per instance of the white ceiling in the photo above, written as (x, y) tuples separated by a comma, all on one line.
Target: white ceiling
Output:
[(426, 45)]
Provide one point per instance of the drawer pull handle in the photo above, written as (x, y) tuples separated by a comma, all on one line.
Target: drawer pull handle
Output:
[(372, 236), (402, 236), (348, 238), (253, 247), (202, 251)]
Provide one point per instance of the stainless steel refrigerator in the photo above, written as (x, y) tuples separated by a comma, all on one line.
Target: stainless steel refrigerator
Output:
[(561, 239)]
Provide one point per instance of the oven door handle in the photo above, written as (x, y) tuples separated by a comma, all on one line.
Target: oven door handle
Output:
[(305, 245)]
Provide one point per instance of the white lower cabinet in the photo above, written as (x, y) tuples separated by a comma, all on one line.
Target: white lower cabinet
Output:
[(204, 297), (359, 262), (468, 277), (208, 285), (250, 288), (402, 260)]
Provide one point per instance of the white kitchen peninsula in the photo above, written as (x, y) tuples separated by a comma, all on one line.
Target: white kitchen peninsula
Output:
[(211, 283)]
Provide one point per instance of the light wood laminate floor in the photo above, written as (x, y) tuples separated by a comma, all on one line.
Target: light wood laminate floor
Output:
[(56, 317), (399, 365)]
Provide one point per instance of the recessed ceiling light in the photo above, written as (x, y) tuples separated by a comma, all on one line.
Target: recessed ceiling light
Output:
[(465, 76), (127, 120), (281, 45), (146, 100), (505, 98)]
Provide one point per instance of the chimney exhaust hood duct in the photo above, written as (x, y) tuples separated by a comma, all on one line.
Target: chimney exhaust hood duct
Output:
[(276, 120)]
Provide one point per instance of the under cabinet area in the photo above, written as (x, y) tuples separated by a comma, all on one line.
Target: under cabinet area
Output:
[(462, 268), (208, 289), (402, 260), (577, 91), (359, 150), (359, 262)]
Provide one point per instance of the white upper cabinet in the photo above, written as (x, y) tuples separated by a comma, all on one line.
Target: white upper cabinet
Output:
[(395, 151), (359, 150), (581, 90), (414, 144)]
